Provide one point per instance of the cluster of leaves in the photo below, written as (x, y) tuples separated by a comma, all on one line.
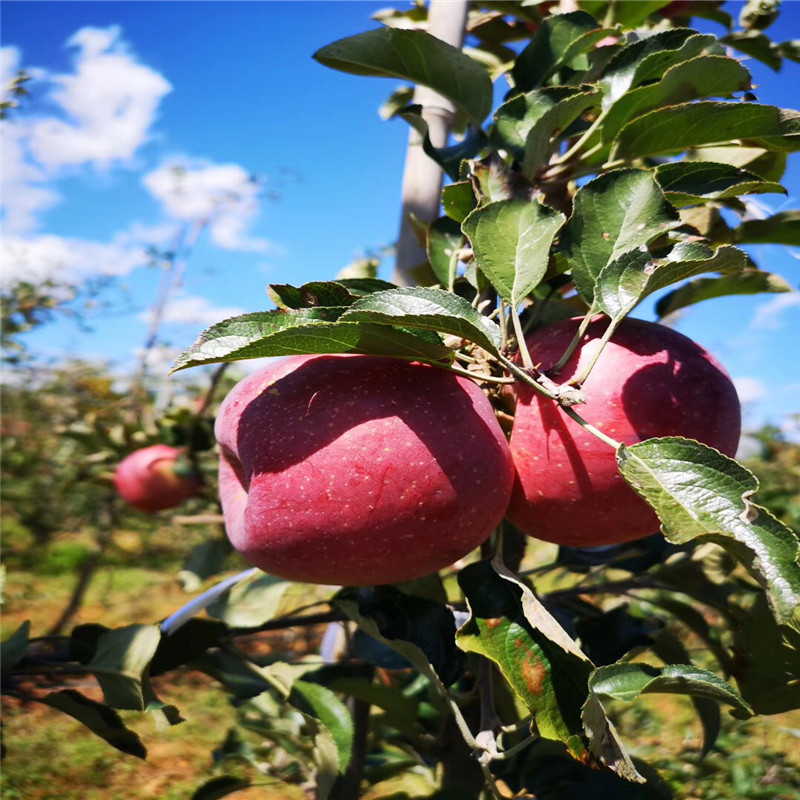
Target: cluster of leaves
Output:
[(610, 171)]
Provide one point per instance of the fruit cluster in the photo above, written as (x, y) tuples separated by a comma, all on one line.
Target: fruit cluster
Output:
[(360, 470)]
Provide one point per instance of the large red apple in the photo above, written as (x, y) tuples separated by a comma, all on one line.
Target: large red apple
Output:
[(357, 470), (649, 381), (147, 479)]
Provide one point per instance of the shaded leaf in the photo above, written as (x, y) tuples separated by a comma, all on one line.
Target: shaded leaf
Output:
[(13, 648), (321, 703), (511, 242), (677, 128), (649, 58), (542, 664), (98, 718), (444, 241), (428, 309), (121, 662), (613, 214), (204, 560), (631, 15), (560, 40), (780, 228), (627, 681), (240, 677), (750, 281), (670, 650), (448, 158), (458, 200), (261, 598), (685, 183), (414, 56), (624, 283), (756, 45), (526, 123), (767, 164), (275, 333), (189, 641), (699, 493), (221, 786), (704, 76), (316, 293), (420, 630)]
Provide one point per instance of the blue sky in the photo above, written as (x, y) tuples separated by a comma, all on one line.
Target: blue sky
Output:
[(126, 91)]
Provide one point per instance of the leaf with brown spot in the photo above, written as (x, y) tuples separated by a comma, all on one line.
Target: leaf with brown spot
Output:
[(542, 664)]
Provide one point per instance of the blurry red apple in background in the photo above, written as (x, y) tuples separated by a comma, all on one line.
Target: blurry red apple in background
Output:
[(151, 479), (649, 381), (358, 470)]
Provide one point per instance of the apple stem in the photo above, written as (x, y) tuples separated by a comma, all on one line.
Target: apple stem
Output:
[(609, 332), (570, 412)]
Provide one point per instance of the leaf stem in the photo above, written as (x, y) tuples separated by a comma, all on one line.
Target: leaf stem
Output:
[(476, 376), (521, 345), (570, 412), (576, 340), (609, 332)]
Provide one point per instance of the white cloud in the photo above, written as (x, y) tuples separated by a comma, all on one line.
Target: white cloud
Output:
[(224, 196), (110, 103), (40, 258), (195, 310), (769, 315), (24, 192), (750, 390)]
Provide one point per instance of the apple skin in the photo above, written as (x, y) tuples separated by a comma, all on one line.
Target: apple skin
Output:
[(357, 470), (650, 381), (147, 480)]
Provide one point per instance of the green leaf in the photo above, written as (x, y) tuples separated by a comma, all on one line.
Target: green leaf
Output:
[(677, 128), (780, 228), (750, 281), (13, 648), (275, 333), (542, 664), (526, 123), (418, 57), (204, 560), (649, 59), (704, 76), (631, 15), (240, 677), (121, 663), (458, 200), (316, 293), (444, 241), (613, 214), (401, 711), (670, 650), (561, 40), (321, 703), (766, 164), (257, 600), (511, 242), (627, 681), (221, 786), (624, 283), (98, 718), (700, 494), (756, 45), (420, 630), (687, 183), (545, 668), (428, 309), (766, 659)]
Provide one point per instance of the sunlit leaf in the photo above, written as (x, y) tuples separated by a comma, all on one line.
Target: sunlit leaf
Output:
[(700, 494), (686, 183), (511, 242), (613, 214), (414, 56)]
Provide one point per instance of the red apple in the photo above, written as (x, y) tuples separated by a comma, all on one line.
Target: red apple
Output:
[(649, 381), (357, 470), (147, 479)]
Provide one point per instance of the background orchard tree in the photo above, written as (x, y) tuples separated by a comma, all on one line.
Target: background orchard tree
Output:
[(613, 170)]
